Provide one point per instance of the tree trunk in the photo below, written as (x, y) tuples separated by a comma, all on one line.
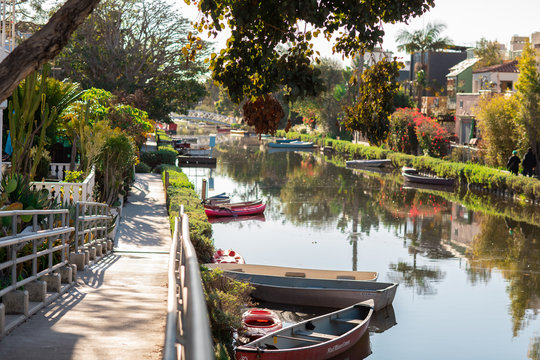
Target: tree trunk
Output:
[(44, 45)]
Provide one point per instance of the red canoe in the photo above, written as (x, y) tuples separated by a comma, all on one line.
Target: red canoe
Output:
[(234, 210), (259, 322), (319, 338), (227, 257)]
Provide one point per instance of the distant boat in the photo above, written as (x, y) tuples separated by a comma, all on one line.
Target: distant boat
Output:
[(235, 209), (318, 338), (297, 272), (317, 292), (239, 132), (259, 322), (412, 175), (368, 163), (285, 141), (197, 152), (292, 144)]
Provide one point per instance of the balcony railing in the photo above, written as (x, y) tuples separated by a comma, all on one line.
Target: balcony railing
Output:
[(66, 193)]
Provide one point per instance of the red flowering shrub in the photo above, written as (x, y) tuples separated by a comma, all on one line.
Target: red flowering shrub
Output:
[(432, 137), (403, 130)]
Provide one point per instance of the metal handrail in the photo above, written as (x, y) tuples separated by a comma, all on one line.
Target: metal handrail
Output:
[(57, 228), (187, 333), (90, 218)]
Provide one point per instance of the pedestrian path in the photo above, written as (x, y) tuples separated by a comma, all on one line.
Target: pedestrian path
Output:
[(118, 307)]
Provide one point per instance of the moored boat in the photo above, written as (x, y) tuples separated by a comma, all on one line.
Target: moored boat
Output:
[(227, 257), (332, 293), (296, 272), (321, 337), (368, 163), (237, 209), (412, 175), (292, 144), (259, 322), (285, 141), (217, 199)]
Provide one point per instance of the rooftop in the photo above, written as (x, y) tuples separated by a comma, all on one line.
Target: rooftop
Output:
[(508, 67), (462, 66)]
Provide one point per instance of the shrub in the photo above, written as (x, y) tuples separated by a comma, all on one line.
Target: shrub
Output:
[(74, 176), (156, 158), (403, 131), (432, 137), (142, 168)]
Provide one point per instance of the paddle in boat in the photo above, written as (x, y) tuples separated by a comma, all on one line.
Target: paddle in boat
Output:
[(235, 209), (296, 272), (412, 175), (332, 293), (292, 145), (259, 322), (321, 337), (227, 257), (358, 164)]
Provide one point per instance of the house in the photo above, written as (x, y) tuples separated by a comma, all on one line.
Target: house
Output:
[(459, 80), (437, 65), (496, 78)]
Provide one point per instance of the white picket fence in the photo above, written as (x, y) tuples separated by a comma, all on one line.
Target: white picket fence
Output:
[(66, 193)]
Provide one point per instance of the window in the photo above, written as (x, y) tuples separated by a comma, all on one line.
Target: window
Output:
[(461, 104)]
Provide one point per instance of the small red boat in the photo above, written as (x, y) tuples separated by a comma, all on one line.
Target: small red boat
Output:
[(239, 209), (228, 257), (259, 322)]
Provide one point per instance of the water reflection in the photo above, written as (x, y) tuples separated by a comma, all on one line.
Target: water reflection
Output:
[(307, 191)]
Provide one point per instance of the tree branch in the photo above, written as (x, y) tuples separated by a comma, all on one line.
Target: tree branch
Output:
[(44, 45)]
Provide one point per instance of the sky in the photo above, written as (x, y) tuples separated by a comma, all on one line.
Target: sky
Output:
[(467, 21)]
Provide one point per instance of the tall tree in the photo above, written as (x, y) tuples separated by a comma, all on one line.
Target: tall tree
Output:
[(528, 94), (421, 41), (489, 53), (131, 46), (254, 62)]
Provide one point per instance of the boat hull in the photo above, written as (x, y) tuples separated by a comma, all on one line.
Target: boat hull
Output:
[(318, 292), (235, 211), (281, 345)]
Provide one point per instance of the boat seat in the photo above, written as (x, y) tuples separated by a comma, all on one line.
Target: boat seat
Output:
[(316, 334), (295, 274), (348, 321), (297, 338), (346, 277)]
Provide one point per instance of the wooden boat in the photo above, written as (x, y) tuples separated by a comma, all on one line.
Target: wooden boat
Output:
[(412, 175), (238, 132), (259, 322), (332, 293), (234, 205), (296, 272), (292, 144), (368, 163), (321, 337), (226, 210), (227, 257), (217, 199)]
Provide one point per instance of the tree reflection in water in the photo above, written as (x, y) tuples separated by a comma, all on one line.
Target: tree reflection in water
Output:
[(303, 189)]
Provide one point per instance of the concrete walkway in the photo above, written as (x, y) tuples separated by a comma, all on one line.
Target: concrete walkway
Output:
[(118, 307)]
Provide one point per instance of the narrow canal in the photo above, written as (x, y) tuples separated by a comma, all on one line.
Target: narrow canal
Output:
[(469, 281)]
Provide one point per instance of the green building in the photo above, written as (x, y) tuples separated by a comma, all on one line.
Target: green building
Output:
[(459, 80)]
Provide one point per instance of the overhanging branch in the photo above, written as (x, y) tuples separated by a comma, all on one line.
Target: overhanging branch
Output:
[(44, 45)]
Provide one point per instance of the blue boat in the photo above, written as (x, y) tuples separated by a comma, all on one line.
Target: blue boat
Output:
[(292, 145), (284, 141)]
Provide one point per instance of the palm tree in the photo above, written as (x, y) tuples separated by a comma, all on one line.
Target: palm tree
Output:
[(424, 40)]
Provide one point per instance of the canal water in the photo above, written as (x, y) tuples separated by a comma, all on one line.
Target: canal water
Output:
[(468, 266)]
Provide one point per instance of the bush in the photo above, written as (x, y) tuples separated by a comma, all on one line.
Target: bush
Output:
[(156, 158), (142, 168), (432, 137), (403, 131)]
